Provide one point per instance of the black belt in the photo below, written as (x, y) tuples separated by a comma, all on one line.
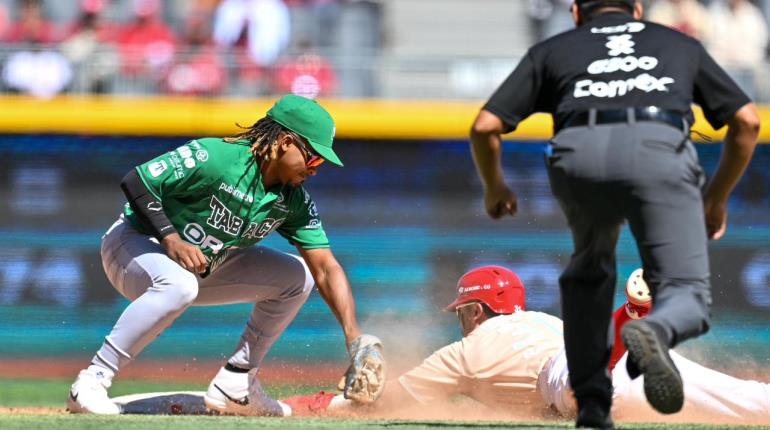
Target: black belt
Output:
[(613, 116)]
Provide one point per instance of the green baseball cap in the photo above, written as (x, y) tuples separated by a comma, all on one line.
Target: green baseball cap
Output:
[(308, 119)]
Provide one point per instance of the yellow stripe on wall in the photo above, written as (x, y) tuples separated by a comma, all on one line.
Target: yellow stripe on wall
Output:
[(360, 119)]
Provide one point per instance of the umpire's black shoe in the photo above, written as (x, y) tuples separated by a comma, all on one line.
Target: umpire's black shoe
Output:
[(662, 383), (592, 414)]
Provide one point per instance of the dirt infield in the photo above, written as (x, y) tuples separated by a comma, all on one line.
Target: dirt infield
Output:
[(318, 374), (193, 372), (321, 375), (32, 411), (463, 410)]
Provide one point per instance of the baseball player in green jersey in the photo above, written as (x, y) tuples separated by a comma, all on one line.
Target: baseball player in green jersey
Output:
[(186, 238)]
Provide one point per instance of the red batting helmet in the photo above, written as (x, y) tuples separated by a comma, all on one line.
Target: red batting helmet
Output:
[(497, 287), (638, 294)]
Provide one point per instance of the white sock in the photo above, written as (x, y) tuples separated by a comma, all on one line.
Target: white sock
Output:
[(102, 373)]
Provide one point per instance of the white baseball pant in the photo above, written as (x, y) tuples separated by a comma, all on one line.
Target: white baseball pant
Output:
[(709, 396), (160, 290)]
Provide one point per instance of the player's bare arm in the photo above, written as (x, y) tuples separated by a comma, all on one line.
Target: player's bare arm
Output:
[(334, 287), (485, 139), (364, 380), (742, 134)]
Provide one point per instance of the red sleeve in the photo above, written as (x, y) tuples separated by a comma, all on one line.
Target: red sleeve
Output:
[(619, 317)]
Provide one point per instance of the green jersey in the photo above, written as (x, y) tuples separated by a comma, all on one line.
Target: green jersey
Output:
[(212, 193)]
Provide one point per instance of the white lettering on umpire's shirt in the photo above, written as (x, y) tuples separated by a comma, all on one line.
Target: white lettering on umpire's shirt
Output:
[(626, 64), (620, 47), (631, 27), (618, 88), (620, 44)]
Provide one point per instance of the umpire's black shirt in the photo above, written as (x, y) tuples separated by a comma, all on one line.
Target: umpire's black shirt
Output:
[(614, 61)]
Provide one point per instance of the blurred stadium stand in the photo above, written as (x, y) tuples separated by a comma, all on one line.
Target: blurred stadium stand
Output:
[(392, 49)]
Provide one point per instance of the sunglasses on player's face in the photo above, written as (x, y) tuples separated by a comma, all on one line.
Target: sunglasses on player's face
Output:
[(312, 159), (457, 309)]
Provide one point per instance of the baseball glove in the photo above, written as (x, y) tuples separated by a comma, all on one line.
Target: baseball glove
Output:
[(365, 378)]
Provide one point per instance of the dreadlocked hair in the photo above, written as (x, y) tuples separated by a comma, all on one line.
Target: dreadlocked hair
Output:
[(263, 136)]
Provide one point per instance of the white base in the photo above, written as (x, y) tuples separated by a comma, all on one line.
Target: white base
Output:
[(164, 403)]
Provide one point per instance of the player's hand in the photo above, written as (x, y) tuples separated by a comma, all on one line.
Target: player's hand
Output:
[(499, 200), (365, 378), (716, 218), (186, 255)]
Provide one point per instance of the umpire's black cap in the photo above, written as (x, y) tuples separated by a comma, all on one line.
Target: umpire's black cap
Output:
[(590, 4)]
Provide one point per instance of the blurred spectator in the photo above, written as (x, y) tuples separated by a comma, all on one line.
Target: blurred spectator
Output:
[(361, 37), (33, 69), (42, 74), (5, 22), (738, 39), (30, 25), (765, 6), (264, 24), (686, 16), (201, 70), (550, 17), (90, 20), (315, 20), (86, 46), (146, 45), (307, 74), (258, 32)]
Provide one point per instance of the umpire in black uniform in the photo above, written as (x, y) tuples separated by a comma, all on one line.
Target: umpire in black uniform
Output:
[(620, 91)]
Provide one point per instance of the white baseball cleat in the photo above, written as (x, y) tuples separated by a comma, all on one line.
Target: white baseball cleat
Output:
[(239, 393), (228, 393), (88, 394)]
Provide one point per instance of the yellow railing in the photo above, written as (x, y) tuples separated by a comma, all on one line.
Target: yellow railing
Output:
[(163, 116)]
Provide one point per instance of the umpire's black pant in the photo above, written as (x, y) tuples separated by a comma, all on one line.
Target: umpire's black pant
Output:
[(648, 174)]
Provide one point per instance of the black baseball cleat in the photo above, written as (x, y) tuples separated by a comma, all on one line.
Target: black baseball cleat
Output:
[(592, 415), (632, 368), (662, 382)]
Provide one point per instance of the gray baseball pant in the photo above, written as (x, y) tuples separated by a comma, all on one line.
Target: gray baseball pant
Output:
[(648, 174), (160, 290)]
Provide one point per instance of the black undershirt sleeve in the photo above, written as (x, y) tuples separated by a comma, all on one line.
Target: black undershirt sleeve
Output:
[(146, 206)]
